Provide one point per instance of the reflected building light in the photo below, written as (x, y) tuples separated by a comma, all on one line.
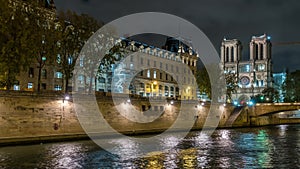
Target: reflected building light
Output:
[(127, 147), (225, 134), (169, 142), (282, 130)]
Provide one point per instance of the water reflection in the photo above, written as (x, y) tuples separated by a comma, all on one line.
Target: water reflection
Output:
[(235, 148)]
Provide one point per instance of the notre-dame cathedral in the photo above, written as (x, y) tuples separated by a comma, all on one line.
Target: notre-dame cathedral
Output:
[(255, 73)]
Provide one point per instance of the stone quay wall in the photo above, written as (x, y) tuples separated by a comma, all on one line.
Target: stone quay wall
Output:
[(33, 115), (27, 116)]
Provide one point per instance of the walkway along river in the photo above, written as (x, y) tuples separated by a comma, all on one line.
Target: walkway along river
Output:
[(260, 147)]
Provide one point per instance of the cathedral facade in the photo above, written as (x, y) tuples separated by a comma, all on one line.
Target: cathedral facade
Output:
[(253, 74)]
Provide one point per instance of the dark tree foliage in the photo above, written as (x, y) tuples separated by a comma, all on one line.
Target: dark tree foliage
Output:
[(203, 82), (15, 51)]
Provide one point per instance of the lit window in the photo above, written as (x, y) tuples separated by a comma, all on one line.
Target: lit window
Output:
[(16, 87), (244, 68), (58, 75), (70, 60), (80, 79), (58, 59), (148, 73), (260, 67), (81, 62), (57, 88), (30, 85), (154, 74)]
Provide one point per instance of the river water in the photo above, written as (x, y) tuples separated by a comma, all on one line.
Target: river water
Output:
[(263, 147)]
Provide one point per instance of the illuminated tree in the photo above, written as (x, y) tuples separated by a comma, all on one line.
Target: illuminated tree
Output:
[(74, 31), (291, 87), (270, 95), (231, 84)]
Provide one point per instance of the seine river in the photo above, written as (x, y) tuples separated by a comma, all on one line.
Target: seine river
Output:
[(263, 147)]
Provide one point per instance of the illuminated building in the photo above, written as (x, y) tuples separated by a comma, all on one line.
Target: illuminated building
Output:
[(255, 73), (151, 81)]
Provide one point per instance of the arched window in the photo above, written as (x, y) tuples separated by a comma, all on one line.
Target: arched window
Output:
[(232, 54), (227, 54), (256, 51), (261, 51)]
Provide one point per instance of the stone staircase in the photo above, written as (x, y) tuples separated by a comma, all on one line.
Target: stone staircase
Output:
[(233, 116)]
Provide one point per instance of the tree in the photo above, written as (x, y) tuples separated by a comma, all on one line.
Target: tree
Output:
[(74, 31), (43, 39), (291, 87), (231, 84), (270, 95), (14, 34), (203, 82)]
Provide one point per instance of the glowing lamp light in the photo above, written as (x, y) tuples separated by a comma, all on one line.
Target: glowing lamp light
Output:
[(67, 97), (268, 37), (261, 97), (250, 103), (172, 102), (202, 104), (235, 103), (128, 101)]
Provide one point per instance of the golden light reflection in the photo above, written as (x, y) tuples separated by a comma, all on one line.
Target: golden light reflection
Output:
[(188, 158), (155, 160)]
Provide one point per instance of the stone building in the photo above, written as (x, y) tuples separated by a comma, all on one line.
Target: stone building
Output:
[(148, 72), (255, 73)]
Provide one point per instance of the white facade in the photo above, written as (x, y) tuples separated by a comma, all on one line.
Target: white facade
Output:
[(150, 72)]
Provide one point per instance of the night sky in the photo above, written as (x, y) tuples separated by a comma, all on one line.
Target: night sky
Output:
[(238, 19)]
